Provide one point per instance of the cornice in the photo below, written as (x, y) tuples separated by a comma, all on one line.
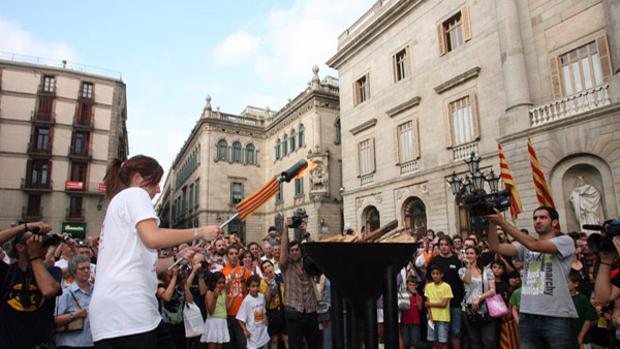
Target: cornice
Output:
[(364, 126), (415, 101), (457, 80)]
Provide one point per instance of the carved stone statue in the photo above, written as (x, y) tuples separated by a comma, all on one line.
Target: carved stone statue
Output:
[(586, 202), (319, 178)]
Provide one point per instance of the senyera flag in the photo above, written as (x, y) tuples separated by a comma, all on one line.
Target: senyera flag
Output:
[(509, 184), (266, 192), (543, 193)]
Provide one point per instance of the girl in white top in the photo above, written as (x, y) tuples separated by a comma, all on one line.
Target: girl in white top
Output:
[(123, 310)]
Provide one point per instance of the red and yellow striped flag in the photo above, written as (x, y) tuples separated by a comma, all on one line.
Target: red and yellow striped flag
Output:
[(509, 184), (543, 194), (256, 200)]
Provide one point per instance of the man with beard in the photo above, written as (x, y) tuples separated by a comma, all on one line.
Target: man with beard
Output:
[(300, 303), (219, 255), (547, 314)]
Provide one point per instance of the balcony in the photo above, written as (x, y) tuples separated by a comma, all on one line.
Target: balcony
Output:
[(569, 106), (79, 154), (463, 151), (75, 215), (83, 123), (29, 185), (37, 151), (408, 167), (32, 213), (43, 118), (367, 179)]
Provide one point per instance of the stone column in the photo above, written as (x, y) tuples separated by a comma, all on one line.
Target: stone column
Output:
[(514, 70), (612, 13)]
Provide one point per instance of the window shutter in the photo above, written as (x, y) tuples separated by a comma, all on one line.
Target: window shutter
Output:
[(466, 24), (356, 93), (359, 158), (441, 39), (367, 86), (475, 117), (416, 139), (555, 77), (397, 146), (448, 121), (603, 50)]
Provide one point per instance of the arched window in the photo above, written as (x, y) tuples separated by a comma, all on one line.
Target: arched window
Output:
[(222, 150), (284, 145), (371, 218), (250, 157), (237, 154), (302, 139), (293, 139), (278, 144)]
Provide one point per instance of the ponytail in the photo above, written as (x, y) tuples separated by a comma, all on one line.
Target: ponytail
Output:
[(118, 175)]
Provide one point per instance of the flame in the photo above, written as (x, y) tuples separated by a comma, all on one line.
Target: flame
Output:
[(311, 166)]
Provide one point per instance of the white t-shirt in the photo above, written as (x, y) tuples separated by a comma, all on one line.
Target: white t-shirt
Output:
[(124, 301), (253, 313)]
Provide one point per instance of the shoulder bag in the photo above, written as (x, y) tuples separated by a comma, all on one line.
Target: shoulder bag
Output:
[(76, 324)]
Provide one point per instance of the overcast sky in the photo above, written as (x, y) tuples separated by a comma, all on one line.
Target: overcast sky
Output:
[(172, 54)]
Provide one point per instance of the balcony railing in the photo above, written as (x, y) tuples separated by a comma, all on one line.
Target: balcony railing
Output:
[(568, 106), (463, 151), (83, 153), (35, 149), (83, 122), (409, 167), (36, 186), (42, 117), (367, 179), (32, 213)]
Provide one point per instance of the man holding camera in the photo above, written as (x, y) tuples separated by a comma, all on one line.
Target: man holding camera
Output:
[(300, 303), (607, 289), (547, 312), (28, 289)]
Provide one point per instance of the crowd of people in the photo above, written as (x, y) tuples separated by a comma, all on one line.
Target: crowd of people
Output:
[(504, 289)]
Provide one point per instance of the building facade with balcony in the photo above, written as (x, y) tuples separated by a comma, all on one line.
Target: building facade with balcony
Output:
[(59, 128), (426, 83), (228, 157)]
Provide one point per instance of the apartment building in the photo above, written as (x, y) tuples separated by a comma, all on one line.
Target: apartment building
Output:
[(59, 127)]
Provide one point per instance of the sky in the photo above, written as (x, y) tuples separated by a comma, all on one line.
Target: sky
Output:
[(172, 54)]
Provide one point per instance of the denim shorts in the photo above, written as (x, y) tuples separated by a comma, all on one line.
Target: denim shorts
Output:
[(440, 333), (455, 322), (411, 335)]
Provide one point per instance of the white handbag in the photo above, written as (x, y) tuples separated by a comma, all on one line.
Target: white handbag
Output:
[(192, 318)]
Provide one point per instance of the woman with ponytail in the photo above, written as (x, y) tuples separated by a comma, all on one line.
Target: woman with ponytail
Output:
[(123, 311)]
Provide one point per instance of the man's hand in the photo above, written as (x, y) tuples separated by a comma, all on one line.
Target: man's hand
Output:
[(288, 222), (210, 232), (34, 247), (496, 218), (42, 227)]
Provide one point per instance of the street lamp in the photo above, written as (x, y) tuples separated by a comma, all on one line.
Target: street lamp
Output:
[(470, 193)]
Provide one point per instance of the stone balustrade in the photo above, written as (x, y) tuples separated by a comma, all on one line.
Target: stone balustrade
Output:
[(572, 105)]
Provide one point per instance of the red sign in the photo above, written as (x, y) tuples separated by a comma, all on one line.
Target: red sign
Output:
[(101, 187), (74, 185)]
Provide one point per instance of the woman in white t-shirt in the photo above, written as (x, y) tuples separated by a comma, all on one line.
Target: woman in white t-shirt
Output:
[(123, 310)]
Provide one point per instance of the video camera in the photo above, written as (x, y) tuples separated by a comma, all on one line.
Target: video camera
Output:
[(603, 242), (50, 239), (480, 205), (298, 218)]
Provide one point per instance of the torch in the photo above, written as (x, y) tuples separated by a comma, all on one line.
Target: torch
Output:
[(266, 192)]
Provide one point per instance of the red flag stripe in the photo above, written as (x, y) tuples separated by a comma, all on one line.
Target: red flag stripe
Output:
[(251, 203), (543, 193), (261, 191), (250, 209), (509, 184)]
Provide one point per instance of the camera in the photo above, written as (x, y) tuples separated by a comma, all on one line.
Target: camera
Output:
[(298, 218), (603, 242), (50, 239), (480, 205)]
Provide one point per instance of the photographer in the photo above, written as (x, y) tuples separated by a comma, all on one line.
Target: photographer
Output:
[(28, 289), (606, 289), (300, 304), (547, 313)]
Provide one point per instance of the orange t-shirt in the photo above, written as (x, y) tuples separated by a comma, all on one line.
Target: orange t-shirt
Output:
[(237, 275)]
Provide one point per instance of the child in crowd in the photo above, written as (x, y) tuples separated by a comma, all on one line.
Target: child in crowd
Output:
[(410, 319), (585, 310), (515, 296), (216, 327), (438, 294), (252, 315)]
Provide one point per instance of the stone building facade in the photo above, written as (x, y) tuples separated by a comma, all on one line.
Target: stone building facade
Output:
[(425, 83), (228, 157), (59, 128)]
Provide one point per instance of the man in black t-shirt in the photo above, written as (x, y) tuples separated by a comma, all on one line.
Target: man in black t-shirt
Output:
[(450, 264), (28, 289)]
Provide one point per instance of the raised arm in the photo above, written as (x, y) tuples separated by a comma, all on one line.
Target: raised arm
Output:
[(284, 244), (493, 239), (544, 246), (155, 237)]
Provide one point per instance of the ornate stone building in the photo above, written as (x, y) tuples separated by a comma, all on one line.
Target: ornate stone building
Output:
[(228, 157), (425, 83), (59, 127)]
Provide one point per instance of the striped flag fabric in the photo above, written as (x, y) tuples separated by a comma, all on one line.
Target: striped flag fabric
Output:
[(509, 184), (256, 200), (543, 193)]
